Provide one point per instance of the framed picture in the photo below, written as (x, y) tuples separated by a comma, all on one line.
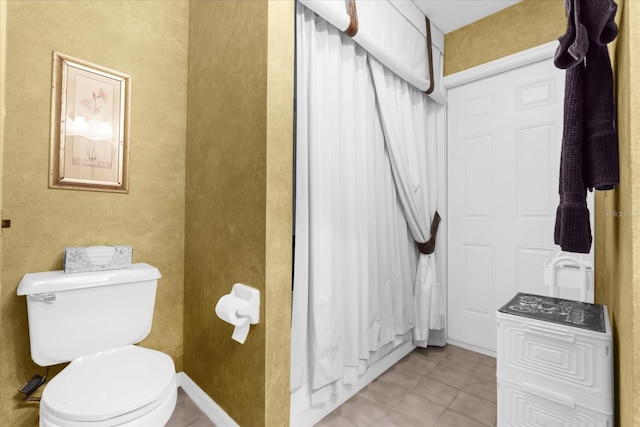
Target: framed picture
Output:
[(90, 108)]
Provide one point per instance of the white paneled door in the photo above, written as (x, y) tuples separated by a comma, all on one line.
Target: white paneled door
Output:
[(504, 139)]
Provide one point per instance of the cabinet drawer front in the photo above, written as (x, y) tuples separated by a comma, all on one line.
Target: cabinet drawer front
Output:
[(558, 359), (525, 406)]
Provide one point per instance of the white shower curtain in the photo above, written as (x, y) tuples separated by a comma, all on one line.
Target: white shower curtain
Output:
[(410, 124), (355, 256)]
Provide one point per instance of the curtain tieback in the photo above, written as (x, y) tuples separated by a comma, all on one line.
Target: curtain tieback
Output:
[(430, 245), (352, 10)]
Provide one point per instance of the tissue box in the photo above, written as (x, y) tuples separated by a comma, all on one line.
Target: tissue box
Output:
[(96, 258)]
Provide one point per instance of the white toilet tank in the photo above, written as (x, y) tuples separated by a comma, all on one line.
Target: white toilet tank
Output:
[(73, 315)]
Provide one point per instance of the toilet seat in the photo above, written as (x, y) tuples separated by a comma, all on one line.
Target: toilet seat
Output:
[(110, 388)]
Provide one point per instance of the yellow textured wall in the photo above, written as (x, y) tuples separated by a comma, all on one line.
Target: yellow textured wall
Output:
[(3, 85), (279, 211), (618, 223), (148, 40), (631, 29), (519, 27), (238, 202)]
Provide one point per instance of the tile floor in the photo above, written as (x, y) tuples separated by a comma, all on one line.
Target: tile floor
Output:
[(433, 387), (187, 414)]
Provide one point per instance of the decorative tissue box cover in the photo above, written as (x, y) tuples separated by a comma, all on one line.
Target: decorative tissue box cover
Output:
[(96, 258)]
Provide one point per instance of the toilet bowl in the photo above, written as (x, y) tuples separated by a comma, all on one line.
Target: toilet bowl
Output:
[(127, 386), (94, 320)]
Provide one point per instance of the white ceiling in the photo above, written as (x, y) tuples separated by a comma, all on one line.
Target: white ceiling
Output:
[(449, 15)]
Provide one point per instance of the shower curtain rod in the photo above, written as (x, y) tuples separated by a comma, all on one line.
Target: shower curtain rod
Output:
[(352, 30)]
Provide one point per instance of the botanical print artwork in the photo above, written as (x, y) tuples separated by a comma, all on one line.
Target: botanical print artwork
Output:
[(92, 105), (89, 126), (92, 124)]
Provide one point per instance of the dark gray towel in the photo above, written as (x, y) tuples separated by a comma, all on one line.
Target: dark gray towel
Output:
[(572, 229), (589, 142), (599, 19), (601, 169), (575, 42)]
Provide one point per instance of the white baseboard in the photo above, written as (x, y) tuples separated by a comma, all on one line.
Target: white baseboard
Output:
[(216, 414), (471, 347)]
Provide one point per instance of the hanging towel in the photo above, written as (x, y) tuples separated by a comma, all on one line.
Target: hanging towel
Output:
[(589, 156), (572, 229), (599, 20), (601, 170), (575, 42)]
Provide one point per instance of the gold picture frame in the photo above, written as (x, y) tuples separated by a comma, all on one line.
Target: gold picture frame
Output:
[(90, 108)]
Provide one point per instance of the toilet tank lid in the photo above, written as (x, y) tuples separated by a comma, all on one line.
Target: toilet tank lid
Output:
[(58, 281)]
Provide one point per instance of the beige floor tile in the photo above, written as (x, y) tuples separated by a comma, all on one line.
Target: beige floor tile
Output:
[(403, 378), (185, 413), (489, 361), (433, 354), (181, 395), (420, 409), (453, 419), (436, 391), (475, 408), (393, 419), (202, 422), (485, 372), (417, 390), (482, 388), (383, 393), (463, 352), (449, 376), (335, 420), (416, 363), (459, 363), (361, 411), (436, 349)]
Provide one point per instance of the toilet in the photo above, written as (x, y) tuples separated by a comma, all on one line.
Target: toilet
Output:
[(94, 320)]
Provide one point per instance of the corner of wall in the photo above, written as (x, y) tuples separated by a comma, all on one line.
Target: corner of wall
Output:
[(279, 215), (3, 113), (3, 59), (618, 222)]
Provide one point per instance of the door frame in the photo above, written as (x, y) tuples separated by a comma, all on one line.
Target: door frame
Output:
[(530, 56)]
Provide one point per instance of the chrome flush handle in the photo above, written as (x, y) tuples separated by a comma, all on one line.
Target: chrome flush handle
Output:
[(48, 298)]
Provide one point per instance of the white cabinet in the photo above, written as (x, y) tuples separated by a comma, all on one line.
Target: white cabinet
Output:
[(554, 363)]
